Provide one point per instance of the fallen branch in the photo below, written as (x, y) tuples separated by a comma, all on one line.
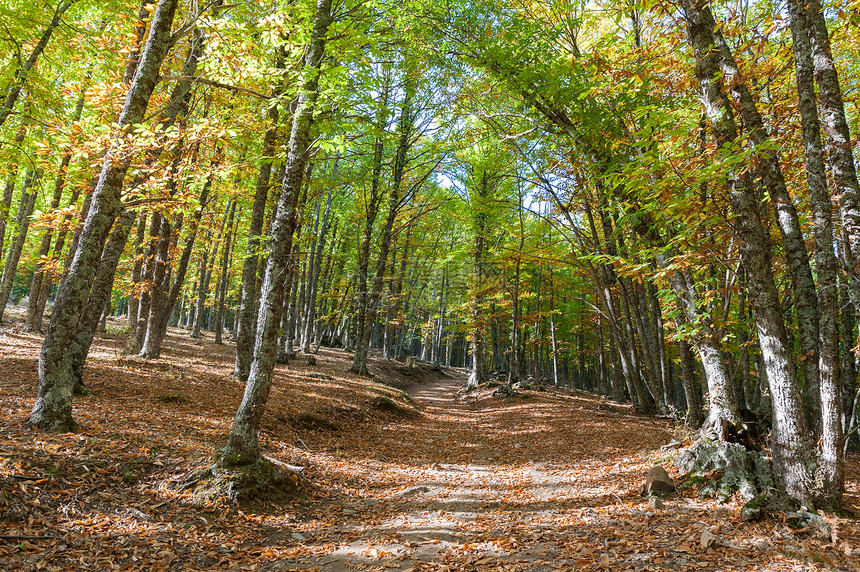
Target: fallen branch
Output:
[(300, 471), (25, 537)]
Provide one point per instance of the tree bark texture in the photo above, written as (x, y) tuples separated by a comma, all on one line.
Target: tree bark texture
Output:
[(792, 447), (242, 446), (53, 408)]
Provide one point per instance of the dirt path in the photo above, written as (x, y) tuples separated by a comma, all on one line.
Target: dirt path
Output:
[(540, 483)]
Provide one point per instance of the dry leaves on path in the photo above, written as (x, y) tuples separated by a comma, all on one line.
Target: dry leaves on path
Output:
[(544, 481)]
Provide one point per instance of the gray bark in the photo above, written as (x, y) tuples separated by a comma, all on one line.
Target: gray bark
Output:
[(99, 296), (53, 408), (245, 318), (806, 299), (792, 447), (242, 446), (830, 476)]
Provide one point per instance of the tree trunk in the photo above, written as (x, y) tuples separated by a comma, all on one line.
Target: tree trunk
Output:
[(9, 187), (25, 210), (221, 288), (359, 364), (53, 408), (792, 447), (41, 283), (242, 447), (99, 296), (806, 299), (313, 277), (830, 477), (245, 318), (405, 124)]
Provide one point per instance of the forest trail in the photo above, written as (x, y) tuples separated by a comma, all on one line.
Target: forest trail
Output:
[(547, 480), (540, 482)]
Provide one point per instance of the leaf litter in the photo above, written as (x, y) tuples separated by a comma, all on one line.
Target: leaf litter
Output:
[(544, 481)]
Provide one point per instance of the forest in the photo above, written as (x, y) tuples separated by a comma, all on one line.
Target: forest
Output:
[(264, 261)]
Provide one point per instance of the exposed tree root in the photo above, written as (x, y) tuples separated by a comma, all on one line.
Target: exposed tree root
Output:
[(260, 481)]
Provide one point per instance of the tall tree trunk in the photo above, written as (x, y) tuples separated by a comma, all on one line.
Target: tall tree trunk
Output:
[(136, 276), (480, 220), (830, 476), (242, 447), (405, 125), (371, 211), (806, 299), (792, 446), (16, 246), (53, 408), (314, 276), (221, 289), (245, 318), (836, 129)]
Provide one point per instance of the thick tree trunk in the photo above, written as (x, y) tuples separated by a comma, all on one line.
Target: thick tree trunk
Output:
[(806, 299), (53, 408), (242, 447), (99, 296), (835, 126), (688, 378), (792, 447)]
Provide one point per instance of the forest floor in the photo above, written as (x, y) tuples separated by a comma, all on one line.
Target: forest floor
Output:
[(547, 480)]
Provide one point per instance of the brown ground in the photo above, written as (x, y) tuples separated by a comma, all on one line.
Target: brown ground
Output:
[(544, 481)]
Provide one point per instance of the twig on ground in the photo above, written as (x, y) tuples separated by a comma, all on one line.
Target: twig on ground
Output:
[(26, 537)]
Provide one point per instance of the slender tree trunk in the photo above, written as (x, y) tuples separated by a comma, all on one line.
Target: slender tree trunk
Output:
[(202, 291), (41, 283), (136, 277), (245, 318), (242, 447), (9, 187), (16, 246), (221, 289), (359, 364), (830, 477), (314, 276), (371, 211)]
